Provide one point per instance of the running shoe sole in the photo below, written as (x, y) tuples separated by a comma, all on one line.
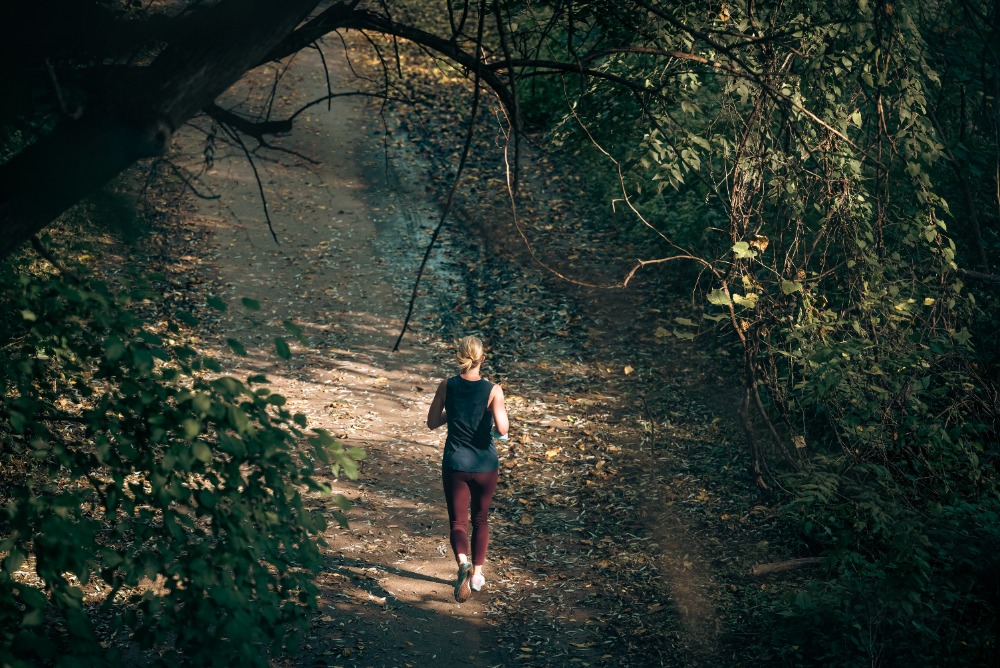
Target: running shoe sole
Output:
[(462, 589)]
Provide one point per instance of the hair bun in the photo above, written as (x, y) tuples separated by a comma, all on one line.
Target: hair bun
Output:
[(469, 350)]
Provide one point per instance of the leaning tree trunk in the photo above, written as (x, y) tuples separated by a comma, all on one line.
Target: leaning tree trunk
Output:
[(137, 119)]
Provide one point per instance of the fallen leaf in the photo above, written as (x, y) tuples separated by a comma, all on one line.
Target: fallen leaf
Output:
[(527, 519), (628, 369)]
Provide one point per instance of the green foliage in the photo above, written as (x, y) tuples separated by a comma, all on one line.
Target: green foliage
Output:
[(811, 157), (134, 471)]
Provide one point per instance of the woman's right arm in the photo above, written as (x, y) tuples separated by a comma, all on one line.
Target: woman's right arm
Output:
[(436, 415), (499, 411)]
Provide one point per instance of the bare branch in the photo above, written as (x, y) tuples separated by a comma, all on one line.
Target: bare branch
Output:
[(235, 136), (780, 566), (257, 130), (454, 187), (179, 172)]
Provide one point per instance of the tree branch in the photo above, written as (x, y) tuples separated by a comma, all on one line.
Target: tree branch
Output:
[(473, 115), (779, 566), (254, 129), (364, 20)]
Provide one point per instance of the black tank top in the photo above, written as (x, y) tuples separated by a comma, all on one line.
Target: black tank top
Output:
[(469, 446)]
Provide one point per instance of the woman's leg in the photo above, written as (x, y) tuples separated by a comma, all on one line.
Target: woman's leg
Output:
[(456, 494), (482, 486)]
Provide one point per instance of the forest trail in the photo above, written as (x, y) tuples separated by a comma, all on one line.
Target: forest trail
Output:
[(347, 231), (588, 564)]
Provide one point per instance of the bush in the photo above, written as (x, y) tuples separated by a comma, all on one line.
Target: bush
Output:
[(132, 471)]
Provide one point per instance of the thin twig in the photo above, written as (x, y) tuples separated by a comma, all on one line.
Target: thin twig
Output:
[(454, 188), (187, 182), (235, 136), (780, 566), (326, 75), (289, 151)]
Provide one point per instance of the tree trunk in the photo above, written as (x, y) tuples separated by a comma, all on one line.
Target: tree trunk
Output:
[(58, 170)]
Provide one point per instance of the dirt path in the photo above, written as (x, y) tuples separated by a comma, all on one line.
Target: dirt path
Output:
[(600, 555), (349, 232)]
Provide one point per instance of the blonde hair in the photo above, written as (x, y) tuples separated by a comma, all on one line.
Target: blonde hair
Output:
[(469, 352)]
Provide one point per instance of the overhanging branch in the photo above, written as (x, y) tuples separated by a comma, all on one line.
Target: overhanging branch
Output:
[(254, 129)]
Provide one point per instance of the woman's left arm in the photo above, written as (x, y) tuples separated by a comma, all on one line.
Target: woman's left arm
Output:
[(499, 411), (436, 415)]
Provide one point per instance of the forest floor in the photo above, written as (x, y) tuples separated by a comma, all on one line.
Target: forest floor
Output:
[(625, 523)]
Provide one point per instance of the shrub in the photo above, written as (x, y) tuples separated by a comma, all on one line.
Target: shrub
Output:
[(133, 471)]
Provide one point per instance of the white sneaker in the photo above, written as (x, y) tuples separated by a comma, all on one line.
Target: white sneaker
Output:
[(478, 581)]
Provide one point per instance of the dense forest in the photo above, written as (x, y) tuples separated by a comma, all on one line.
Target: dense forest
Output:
[(823, 177)]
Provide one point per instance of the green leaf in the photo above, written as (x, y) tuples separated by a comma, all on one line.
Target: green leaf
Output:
[(216, 303), (237, 347), (202, 452), (741, 249), (719, 298), (187, 318), (207, 499), (292, 327), (114, 348), (33, 617), (191, 428), (14, 561), (284, 352), (342, 502), (296, 331), (788, 287), (251, 304), (18, 420), (142, 360)]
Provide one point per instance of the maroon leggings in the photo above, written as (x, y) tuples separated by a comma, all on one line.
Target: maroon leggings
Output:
[(460, 489)]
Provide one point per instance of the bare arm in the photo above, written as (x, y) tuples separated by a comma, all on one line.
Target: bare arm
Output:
[(499, 411), (436, 415)]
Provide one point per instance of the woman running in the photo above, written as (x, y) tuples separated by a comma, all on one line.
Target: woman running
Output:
[(469, 405)]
